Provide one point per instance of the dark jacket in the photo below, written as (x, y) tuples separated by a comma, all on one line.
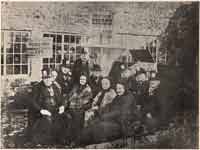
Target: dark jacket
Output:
[(44, 129), (78, 69), (41, 98), (65, 85)]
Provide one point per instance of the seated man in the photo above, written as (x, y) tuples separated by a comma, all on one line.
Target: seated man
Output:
[(114, 120), (48, 110)]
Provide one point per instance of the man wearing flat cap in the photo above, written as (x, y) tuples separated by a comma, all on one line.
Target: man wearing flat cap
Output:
[(47, 106), (81, 66)]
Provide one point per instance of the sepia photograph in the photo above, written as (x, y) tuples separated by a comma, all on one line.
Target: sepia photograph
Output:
[(99, 75)]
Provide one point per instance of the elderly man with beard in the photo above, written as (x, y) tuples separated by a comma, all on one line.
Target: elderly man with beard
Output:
[(47, 107)]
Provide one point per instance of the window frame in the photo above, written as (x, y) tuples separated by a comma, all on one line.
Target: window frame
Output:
[(64, 43), (22, 53)]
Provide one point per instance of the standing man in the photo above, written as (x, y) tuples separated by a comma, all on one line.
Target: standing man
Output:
[(81, 66)]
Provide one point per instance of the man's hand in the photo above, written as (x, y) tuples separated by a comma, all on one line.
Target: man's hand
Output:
[(61, 109), (45, 112)]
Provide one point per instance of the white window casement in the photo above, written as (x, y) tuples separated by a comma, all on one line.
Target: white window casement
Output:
[(14, 57), (65, 46)]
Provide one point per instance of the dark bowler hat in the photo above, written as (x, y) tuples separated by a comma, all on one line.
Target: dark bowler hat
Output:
[(46, 73)]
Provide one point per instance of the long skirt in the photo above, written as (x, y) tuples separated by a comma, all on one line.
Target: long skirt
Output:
[(76, 124)]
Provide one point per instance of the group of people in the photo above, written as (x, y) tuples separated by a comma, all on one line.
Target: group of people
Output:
[(66, 109)]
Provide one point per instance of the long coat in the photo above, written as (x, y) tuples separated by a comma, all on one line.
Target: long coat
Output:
[(114, 122), (44, 128)]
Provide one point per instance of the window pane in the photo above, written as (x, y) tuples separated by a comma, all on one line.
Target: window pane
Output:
[(24, 58), (18, 37), (24, 48), (72, 39), (9, 59), (2, 59), (9, 48), (9, 69), (25, 37), (58, 59), (66, 38), (17, 48), (78, 39), (52, 60), (45, 60), (16, 69), (17, 58), (59, 38), (24, 69), (66, 48)]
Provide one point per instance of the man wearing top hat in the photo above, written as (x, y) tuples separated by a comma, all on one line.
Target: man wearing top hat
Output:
[(47, 108), (81, 66)]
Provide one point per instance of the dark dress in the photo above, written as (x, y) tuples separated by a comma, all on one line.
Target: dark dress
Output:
[(114, 121), (45, 129)]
